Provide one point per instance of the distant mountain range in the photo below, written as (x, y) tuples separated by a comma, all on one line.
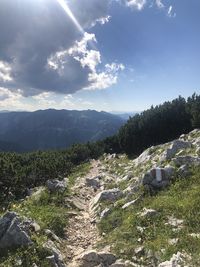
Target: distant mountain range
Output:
[(54, 129), (124, 115)]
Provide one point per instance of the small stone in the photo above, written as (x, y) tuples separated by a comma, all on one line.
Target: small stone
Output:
[(139, 251), (148, 213)]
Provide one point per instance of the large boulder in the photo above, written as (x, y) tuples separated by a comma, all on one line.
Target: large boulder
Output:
[(158, 178), (12, 232), (55, 186)]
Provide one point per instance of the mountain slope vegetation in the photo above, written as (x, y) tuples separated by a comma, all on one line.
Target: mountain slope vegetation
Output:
[(143, 220)]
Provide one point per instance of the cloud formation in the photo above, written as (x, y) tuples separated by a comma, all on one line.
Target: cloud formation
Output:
[(42, 50), (39, 30), (138, 4)]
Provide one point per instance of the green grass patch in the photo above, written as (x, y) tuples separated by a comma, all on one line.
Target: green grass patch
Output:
[(79, 171), (181, 200)]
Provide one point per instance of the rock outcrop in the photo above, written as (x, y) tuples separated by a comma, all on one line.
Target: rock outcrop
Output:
[(56, 185), (158, 178), (175, 147), (13, 232)]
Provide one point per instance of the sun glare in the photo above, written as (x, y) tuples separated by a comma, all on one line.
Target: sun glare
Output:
[(67, 10)]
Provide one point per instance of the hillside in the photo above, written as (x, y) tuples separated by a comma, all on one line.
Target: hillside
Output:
[(54, 129), (114, 211)]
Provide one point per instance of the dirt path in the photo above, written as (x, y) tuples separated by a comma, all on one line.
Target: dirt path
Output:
[(82, 233)]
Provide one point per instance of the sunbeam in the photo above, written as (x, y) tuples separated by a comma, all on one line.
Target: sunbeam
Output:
[(67, 10)]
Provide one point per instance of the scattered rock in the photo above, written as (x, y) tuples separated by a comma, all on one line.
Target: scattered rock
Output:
[(35, 192), (148, 213), (93, 258), (186, 160), (144, 157), (127, 177), (51, 235), (173, 241), (139, 251), (175, 147), (105, 213), (12, 232), (176, 261), (174, 222), (132, 189), (140, 229), (111, 156), (56, 185), (76, 203), (30, 226), (184, 170), (122, 263), (198, 151), (131, 203), (56, 259), (110, 195), (195, 235), (94, 182)]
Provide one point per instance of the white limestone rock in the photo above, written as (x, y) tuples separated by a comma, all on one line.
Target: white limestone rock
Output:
[(56, 185), (148, 213), (110, 195), (176, 260)]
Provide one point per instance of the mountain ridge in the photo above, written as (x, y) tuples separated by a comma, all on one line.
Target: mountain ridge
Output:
[(55, 129)]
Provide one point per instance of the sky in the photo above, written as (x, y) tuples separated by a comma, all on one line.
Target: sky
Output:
[(111, 55)]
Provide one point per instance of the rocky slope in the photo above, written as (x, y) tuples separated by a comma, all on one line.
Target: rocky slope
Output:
[(123, 212)]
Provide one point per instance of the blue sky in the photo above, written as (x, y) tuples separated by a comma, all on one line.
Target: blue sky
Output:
[(113, 55)]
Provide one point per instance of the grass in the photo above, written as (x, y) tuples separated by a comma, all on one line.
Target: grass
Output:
[(47, 210), (79, 171), (50, 212), (26, 257), (181, 200)]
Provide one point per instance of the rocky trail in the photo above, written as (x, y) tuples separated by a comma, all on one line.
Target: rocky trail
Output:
[(111, 190), (81, 232)]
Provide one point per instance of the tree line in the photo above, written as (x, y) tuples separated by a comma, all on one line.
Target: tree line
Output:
[(156, 125)]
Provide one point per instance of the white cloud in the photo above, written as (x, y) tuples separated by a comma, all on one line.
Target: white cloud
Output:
[(106, 78), (13, 100), (80, 52), (171, 12), (103, 20), (137, 4), (89, 58), (159, 4), (5, 72), (114, 67), (45, 99)]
